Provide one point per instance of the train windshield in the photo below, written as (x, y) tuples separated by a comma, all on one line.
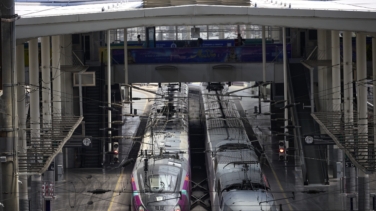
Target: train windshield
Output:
[(161, 178), (162, 182)]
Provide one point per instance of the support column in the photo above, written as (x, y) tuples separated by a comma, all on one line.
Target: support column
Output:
[(347, 77), (109, 81), (36, 199), (276, 33), (109, 113), (285, 87), (188, 28), (336, 96), (321, 70), (56, 79), (324, 77), (336, 72), (20, 66), (348, 102), (361, 67), (66, 85), (9, 121), (49, 175), (207, 32), (249, 31), (328, 72), (264, 62), (159, 35), (56, 99), (66, 77), (221, 32), (364, 202), (374, 89), (126, 81)]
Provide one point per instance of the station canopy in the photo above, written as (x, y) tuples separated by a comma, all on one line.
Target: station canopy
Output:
[(45, 8), (166, 3)]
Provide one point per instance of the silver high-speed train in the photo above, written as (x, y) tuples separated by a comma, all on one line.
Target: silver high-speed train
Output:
[(161, 175), (236, 181)]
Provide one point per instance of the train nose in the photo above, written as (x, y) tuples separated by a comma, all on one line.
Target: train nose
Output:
[(161, 202), (164, 207)]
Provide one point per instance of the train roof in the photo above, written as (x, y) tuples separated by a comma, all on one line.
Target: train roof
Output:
[(167, 129), (236, 157), (236, 166), (247, 200), (222, 119)]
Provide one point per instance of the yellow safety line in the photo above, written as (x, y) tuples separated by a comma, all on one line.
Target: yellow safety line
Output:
[(121, 174), (116, 188), (280, 187)]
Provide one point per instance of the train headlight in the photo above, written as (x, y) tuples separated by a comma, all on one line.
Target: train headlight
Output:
[(141, 208), (177, 208)]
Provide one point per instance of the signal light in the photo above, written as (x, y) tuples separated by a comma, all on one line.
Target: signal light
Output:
[(115, 147), (282, 150)]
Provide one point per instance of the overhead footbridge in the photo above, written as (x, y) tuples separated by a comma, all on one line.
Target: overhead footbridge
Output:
[(88, 18)]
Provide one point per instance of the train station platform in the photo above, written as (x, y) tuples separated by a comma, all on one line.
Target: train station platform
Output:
[(285, 179), (75, 193)]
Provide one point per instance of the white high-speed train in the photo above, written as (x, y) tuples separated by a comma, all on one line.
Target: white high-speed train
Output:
[(236, 181), (161, 175)]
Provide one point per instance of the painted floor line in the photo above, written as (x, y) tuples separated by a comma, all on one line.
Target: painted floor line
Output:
[(280, 187), (116, 188)]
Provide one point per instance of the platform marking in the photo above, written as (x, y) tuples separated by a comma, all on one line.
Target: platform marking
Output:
[(275, 175), (121, 174), (280, 187), (116, 188)]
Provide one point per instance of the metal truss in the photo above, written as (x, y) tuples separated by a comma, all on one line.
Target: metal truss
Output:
[(358, 146), (200, 195), (43, 149)]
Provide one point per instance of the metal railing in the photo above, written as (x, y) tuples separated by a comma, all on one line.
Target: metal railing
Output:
[(78, 57), (359, 147), (43, 149)]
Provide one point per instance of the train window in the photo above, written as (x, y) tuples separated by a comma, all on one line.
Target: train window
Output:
[(154, 182), (162, 182)]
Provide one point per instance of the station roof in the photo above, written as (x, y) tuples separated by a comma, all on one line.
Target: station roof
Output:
[(57, 17), (28, 9), (44, 8)]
